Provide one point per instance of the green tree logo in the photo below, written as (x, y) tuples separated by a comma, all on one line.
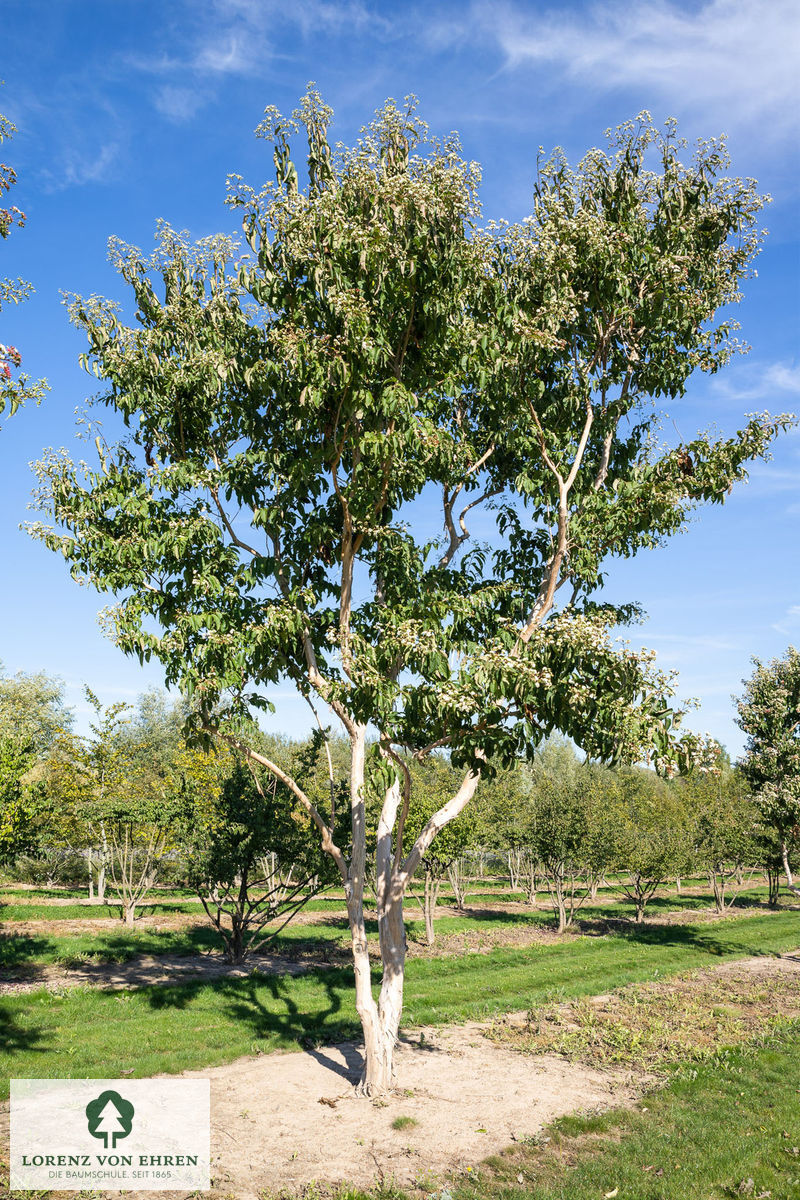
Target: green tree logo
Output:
[(110, 1118)]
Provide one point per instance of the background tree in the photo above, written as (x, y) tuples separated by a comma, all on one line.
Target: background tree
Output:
[(13, 391), (32, 713), (119, 799), (769, 713), (20, 799), (650, 835), (296, 416), (253, 856), (434, 782), (722, 827)]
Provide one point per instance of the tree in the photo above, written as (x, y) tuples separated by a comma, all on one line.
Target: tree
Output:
[(32, 712), (564, 830), (649, 831), (253, 857), (119, 799), (769, 713), (32, 709), (20, 799), (13, 392), (722, 827), (303, 420)]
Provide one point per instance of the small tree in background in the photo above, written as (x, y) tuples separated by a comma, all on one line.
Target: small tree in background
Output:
[(20, 799), (253, 858), (433, 782), (769, 713), (117, 797), (722, 828), (650, 836)]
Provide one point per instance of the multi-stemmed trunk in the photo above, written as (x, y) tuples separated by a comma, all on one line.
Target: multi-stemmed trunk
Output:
[(380, 1020)]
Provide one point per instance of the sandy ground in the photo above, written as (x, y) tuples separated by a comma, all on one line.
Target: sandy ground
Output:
[(281, 1121)]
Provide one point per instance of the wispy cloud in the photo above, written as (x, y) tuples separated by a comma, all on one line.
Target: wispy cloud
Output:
[(759, 381), (238, 38), (178, 103), (789, 626), (735, 60), (82, 168)]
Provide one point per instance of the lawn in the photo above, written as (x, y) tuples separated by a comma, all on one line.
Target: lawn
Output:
[(86, 1033)]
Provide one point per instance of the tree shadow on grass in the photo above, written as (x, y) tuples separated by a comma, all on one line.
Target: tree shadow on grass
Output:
[(266, 1006), (718, 941), (19, 949), (15, 1037)]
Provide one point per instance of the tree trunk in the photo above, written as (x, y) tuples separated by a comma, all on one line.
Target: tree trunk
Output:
[(90, 863), (432, 885), (640, 904), (561, 907), (787, 868), (129, 913), (678, 885), (101, 884), (773, 883)]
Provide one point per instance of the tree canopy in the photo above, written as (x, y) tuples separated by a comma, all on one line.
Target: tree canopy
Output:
[(769, 713)]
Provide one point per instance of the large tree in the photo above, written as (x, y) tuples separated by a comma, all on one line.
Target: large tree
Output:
[(304, 419), (769, 713)]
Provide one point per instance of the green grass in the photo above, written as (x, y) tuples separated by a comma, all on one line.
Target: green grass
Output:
[(733, 1120), (117, 944), (401, 1123), (81, 1032), (89, 912), (113, 943)]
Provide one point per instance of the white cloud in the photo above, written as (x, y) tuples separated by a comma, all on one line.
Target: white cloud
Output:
[(757, 381), (735, 60), (790, 624), (178, 103), (88, 168)]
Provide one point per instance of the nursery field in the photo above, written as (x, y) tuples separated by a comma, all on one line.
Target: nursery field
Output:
[(666, 1109)]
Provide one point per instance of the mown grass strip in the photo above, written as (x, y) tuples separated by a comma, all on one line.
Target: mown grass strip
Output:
[(86, 1033), (728, 1128)]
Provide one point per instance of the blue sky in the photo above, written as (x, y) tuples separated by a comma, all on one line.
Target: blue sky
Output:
[(129, 110)]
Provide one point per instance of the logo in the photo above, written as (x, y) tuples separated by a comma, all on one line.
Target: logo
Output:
[(110, 1118)]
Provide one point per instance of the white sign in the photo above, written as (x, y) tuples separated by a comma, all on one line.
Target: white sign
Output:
[(139, 1135)]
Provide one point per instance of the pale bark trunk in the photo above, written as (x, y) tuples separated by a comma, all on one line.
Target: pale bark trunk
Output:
[(129, 910), (787, 869), (678, 885)]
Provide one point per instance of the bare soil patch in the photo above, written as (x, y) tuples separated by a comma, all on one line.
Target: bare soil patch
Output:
[(281, 1121)]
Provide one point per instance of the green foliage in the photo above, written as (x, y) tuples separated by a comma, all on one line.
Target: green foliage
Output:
[(13, 392), (252, 857), (649, 829), (769, 713), (19, 799), (288, 408), (32, 709)]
